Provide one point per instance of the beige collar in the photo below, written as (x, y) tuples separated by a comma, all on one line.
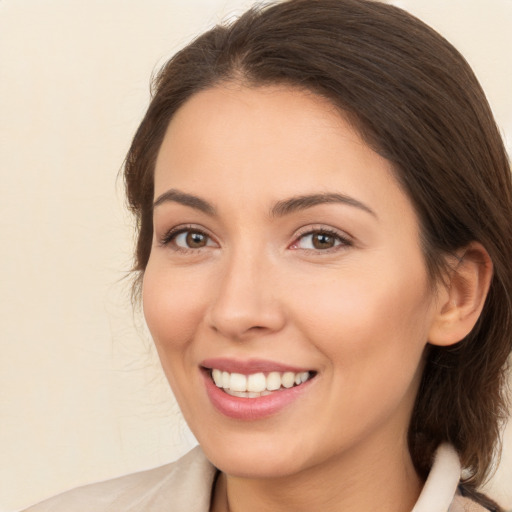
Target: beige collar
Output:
[(441, 485)]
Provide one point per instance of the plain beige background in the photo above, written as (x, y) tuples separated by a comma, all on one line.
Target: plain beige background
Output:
[(82, 397)]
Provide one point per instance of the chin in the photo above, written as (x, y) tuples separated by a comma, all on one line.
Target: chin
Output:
[(246, 458)]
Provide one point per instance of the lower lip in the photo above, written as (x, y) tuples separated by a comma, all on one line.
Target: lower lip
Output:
[(249, 409)]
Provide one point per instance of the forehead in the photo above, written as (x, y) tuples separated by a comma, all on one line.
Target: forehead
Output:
[(226, 122), (266, 143), (235, 116)]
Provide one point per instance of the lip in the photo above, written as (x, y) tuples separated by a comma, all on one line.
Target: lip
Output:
[(246, 367), (251, 409)]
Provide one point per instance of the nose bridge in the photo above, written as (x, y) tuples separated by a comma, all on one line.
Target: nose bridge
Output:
[(246, 298)]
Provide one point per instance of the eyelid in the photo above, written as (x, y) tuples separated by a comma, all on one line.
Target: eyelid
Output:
[(171, 234), (345, 239)]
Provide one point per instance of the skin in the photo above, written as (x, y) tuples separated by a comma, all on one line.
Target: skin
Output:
[(359, 313)]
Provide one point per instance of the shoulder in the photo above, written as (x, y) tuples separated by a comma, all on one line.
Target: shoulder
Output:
[(182, 485)]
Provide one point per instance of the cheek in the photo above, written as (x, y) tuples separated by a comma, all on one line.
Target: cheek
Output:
[(373, 337), (173, 307), (369, 322)]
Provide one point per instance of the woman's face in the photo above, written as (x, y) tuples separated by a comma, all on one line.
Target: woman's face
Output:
[(284, 251)]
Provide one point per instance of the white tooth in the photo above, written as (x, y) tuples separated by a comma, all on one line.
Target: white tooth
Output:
[(266, 393), (238, 382), (256, 382), (252, 394), (217, 377), (240, 394), (273, 381), (304, 376), (297, 379), (225, 380), (288, 379)]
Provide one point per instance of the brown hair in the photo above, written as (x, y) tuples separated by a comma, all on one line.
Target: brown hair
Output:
[(415, 100)]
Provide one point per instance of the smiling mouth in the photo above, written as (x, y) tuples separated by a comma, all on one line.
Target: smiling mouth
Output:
[(259, 384)]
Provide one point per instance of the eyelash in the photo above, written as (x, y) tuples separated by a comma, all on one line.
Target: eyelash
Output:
[(344, 241), (171, 235)]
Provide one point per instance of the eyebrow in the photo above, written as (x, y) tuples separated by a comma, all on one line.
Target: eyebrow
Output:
[(185, 199), (280, 209), (297, 203)]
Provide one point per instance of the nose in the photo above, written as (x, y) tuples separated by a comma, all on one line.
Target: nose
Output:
[(246, 302)]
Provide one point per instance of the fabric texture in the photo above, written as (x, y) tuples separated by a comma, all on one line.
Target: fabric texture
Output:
[(186, 485)]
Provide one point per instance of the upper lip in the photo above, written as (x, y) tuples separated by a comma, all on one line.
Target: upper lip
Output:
[(249, 366)]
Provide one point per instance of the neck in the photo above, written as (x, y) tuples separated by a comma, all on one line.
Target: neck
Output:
[(374, 477)]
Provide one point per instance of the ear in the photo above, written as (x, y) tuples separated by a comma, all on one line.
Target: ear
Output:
[(461, 295)]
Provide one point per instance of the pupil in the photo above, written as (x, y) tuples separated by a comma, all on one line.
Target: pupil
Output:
[(323, 241), (196, 240)]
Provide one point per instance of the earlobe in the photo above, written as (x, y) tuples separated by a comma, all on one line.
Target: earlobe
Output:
[(462, 295)]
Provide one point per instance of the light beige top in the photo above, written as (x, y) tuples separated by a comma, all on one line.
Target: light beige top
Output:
[(186, 485)]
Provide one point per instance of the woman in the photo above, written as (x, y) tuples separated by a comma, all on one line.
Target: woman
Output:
[(324, 243)]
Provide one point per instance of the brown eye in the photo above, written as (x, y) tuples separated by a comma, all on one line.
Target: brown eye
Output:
[(195, 240), (319, 240), (189, 239), (323, 241)]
